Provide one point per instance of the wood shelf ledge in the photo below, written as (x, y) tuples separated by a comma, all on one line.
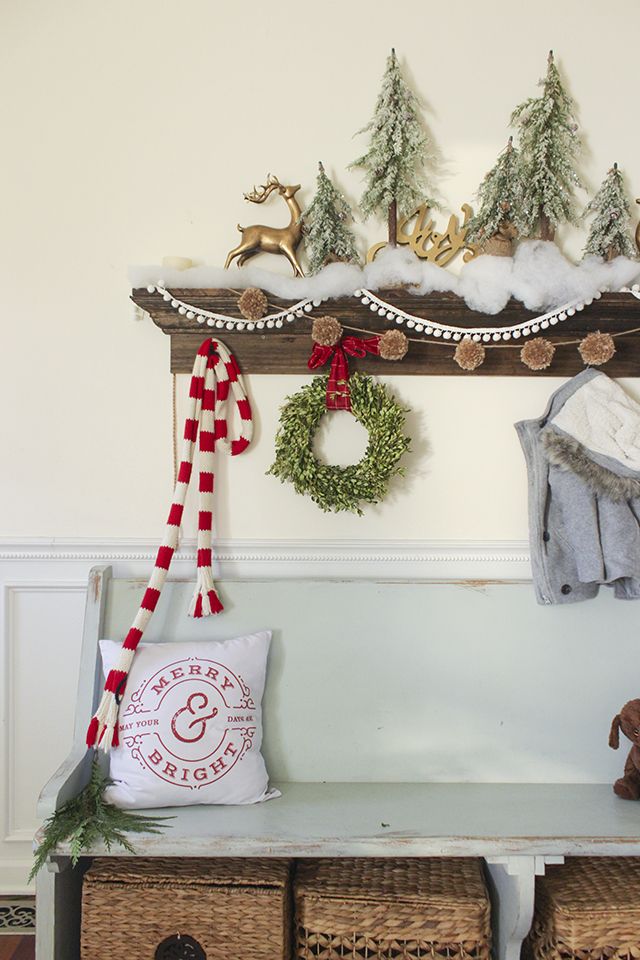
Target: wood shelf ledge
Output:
[(287, 350)]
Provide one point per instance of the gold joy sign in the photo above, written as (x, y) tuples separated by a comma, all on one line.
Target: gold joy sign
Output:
[(427, 243)]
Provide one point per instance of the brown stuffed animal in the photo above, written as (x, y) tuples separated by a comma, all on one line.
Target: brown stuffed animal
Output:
[(628, 720)]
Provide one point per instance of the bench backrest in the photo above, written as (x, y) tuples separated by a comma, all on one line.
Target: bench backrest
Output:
[(414, 681)]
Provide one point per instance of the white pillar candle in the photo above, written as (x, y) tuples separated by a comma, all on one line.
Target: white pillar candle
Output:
[(176, 263)]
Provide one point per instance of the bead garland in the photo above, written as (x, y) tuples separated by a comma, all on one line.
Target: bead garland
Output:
[(431, 328), (237, 324)]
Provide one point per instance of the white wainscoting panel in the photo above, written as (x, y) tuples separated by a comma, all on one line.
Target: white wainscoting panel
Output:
[(41, 660), (39, 653)]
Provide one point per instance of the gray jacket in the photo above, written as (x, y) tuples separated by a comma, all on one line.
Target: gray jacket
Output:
[(583, 461)]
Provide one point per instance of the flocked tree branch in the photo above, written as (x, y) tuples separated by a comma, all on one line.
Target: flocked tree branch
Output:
[(399, 156), (610, 234), (500, 196), (549, 147), (326, 233)]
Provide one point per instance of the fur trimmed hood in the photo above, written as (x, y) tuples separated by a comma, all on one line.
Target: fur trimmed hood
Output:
[(568, 454), (596, 435)]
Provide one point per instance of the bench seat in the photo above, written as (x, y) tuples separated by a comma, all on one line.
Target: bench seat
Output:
[(404, 819)]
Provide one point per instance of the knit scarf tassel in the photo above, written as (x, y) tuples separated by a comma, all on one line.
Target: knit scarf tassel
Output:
[(205, 600), (215, 374)]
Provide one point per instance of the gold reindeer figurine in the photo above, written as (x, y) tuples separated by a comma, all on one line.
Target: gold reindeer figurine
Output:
[(261, 239)]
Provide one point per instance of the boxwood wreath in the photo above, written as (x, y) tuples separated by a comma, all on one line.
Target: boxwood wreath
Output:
[(336, 488)]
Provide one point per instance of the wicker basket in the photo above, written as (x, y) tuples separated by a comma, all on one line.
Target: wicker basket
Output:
[(233, 909), (392, 908), (587, 908)]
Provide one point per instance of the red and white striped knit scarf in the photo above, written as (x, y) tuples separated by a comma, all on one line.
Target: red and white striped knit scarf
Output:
[(215, 373)]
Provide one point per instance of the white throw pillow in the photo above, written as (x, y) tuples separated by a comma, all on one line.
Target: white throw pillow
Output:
[(190, 724)]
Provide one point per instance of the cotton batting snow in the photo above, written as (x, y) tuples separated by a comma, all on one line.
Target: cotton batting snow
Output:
[(485, 283), (334, 280), (542, 278), (399, 265), (539, 276)]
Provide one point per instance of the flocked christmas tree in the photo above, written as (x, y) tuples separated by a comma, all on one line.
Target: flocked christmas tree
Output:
[(549, 148), (500, 196), (325, 225), (610, 234), (398, 159)]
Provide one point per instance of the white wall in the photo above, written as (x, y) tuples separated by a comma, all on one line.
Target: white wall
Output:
[(130, 131)]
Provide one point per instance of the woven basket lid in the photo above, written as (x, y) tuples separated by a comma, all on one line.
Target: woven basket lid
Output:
[(404, 880), (222, 872), (387, 900), (593, 885)]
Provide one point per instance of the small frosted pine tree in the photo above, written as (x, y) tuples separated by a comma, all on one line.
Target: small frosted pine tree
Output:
[(399, 155), (610, 234), (324, 223), (500, 196), (549, 149)]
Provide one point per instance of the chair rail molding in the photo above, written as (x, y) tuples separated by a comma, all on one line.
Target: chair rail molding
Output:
[(476, 561)]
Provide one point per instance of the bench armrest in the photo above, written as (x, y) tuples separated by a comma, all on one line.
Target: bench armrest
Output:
[(67, 782)]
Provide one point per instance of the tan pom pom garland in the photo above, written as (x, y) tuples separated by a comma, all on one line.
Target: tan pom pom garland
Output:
[(469, 354), (393, 345), (597, 348), (542, 353), (537, 354), (326, 331), (253, 304)]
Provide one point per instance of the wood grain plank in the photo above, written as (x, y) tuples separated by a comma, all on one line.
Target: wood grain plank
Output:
[(17, 947), (8, 944), (26, 949), (287, 350)]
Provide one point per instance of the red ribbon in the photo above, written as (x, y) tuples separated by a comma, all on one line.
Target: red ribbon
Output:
[(338, 394)]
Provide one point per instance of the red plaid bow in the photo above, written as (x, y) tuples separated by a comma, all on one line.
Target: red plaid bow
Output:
[(338, 394)]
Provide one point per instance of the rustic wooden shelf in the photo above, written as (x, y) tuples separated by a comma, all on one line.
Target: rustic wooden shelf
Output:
[(287, 350)]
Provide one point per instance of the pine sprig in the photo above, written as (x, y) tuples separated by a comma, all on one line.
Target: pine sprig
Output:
[(88, 819), (549, 149)]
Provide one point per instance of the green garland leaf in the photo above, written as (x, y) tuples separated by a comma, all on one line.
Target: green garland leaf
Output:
[(341, 488), (88, 819)]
